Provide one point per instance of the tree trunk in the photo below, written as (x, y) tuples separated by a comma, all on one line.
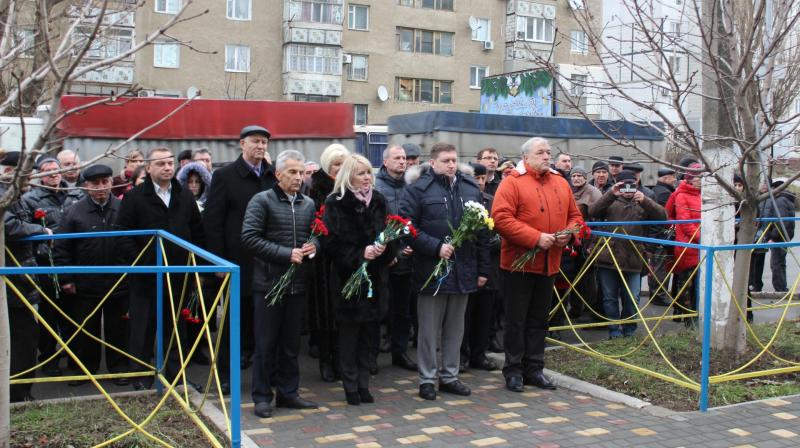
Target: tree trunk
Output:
[(735, 339), (5, 349)]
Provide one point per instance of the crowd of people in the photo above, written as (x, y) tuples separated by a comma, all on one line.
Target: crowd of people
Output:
[(304, 228)]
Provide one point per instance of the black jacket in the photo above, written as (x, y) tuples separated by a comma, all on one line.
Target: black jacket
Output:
[(87, 216), (434, 206), (785, 202), (493, 282), (353, 226), (232, 187), (141, 209), (324, 283), (392, 189), (272, 227), (54, 203), (491, 186), (663, 192), (18, 224)]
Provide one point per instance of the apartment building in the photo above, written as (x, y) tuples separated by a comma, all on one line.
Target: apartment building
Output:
[(386, 57)]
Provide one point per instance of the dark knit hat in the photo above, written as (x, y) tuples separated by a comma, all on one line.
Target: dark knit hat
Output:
[(599, 165), (626, 176), (479, 169)]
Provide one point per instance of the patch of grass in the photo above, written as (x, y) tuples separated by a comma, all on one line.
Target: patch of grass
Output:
[(87, 423), (684, 351)]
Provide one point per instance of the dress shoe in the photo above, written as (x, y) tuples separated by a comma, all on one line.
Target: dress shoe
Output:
[(455, 387), (514, 384), (138, 385), (225, 387), (404, 361), (295, 402), (539, 380), (366, 397), (195, 386), (326, 371), (496, 345), (661, 301), (483, 363), (427, 391), (463, 365), (352, 398), (263, 410)]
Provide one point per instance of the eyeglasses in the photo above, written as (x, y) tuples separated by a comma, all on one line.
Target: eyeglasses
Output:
[(490, 158)]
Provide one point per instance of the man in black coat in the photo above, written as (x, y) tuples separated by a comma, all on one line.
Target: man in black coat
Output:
[(435, 204), (51, 198), (96, 212), (662, 255), (23, 328), (158, 203), (665, 185), (276, 228), (232, 187)]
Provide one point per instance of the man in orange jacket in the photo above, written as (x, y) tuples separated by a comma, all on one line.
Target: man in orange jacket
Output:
[(530, 207)]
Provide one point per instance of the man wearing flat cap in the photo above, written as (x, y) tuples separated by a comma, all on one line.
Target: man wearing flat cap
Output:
[(413, 152), (614, 167), (96, 212), (665, 185), (232, 187), (637, 169)]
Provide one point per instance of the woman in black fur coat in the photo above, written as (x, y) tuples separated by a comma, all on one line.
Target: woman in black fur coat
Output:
[(355, 214)]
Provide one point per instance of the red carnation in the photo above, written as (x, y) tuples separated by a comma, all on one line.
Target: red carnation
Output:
[(185, 312), (412, 230), (321, 212), (39, 214), (318, 227)]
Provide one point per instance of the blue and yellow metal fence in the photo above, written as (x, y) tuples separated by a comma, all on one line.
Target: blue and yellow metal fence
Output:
[(705, 268), (215, 265)]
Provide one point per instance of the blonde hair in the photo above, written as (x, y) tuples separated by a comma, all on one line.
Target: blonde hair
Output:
[(349, 167), (330, 155)]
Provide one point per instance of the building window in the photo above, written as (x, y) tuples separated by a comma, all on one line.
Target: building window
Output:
[(424, 90), (360, 114), (25, 39), (166, 54), (577, 84), (675, 63), (476, 75), (424, 41), (578, 42), (308, 98), (675, 29), (311, 59), (446, 5), (538, 29), (237, 58), (483, 31), (320, 11), (358, 68), (358, 17), (239, 9), (111, 43), (405, 3), (168, 6)]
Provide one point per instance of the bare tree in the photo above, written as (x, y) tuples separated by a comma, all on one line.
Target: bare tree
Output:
[(717, 77), (47, 46)]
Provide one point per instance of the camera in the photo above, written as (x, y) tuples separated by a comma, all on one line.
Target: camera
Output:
[(627, 188)]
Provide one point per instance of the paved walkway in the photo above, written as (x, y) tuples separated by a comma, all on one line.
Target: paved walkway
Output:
[(493, 416)]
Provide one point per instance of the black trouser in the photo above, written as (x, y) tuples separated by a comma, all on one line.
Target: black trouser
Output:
[(400, 309), (757, 270), (142, 312), (24, 339), (47, 343), (110, 318), (528, 299), (777, 264), (354, 361), (277, 346), (477, 323)]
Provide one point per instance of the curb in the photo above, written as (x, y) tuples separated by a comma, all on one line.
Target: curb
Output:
[(574, 384), (217, 418), (79, 398)]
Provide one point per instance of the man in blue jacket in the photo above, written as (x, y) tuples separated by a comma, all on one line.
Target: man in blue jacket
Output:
[(435, 204)]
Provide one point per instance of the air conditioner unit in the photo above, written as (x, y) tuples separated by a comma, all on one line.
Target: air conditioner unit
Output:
[(347, 58), (488, 45), (146, 93)]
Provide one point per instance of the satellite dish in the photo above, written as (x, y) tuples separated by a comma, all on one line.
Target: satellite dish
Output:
[(192, 92), (473, 23), (383, 93)]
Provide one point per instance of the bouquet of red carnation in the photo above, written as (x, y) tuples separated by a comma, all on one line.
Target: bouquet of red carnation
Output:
[(396, 226), (318, 229), (192, 313), (580, 231)]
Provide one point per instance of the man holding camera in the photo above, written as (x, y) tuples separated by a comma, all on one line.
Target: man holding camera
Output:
[(619, 263)]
